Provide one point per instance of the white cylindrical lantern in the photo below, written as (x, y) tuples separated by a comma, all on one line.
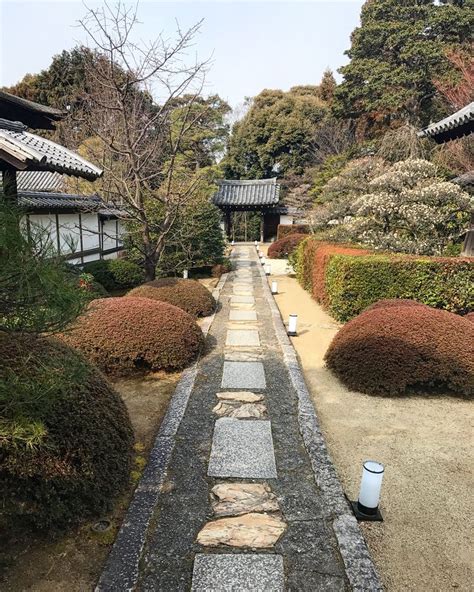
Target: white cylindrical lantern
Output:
[(268, 269), (232, 243), (292, 324), (260, 254), (185, 274), (262, 260), (274, 287), (370, 486), (256, 244)]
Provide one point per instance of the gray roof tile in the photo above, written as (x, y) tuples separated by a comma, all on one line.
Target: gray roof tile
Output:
[(454, 126)]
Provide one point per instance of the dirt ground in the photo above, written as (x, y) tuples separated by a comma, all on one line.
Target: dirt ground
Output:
[(425, 443), (73, 563)]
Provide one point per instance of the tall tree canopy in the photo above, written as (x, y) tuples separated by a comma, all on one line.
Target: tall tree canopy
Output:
[(276, 134), (396, 54)]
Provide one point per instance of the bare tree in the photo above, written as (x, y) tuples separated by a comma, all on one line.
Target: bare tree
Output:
[(129, 110)]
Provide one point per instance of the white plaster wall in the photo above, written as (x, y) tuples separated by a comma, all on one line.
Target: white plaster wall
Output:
[(69, 234), (90, 231), (285, 219), (109, 235), (47, 222)]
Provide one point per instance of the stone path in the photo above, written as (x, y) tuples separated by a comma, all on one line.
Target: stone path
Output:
[(273, 535), (237, 507)]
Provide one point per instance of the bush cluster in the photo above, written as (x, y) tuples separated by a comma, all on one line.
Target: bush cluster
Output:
[(282, 248), (390, 349), (353, 283), (221, 268), (286, 229), (189, 295), (65, 435), (115, 274), (125, 335), (302, 261)]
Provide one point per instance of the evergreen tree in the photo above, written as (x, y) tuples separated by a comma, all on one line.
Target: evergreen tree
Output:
[(396, 53)]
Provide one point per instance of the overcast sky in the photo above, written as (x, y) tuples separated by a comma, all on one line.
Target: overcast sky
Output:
[(254, 45)]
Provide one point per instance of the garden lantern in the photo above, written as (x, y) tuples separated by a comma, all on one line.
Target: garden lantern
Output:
[(256, 245), (274, 287), (292, 324), (185, 274), (268, 269), (367, 506), (262, 260), (260, 254), (232, 243)]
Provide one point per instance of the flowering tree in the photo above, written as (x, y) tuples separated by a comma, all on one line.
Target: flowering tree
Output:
[(410, 209)]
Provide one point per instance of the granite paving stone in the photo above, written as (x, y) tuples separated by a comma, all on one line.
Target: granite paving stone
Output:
[(242, 337), (243, 449), (242, 300), (243, 375), (242, 315), (238, 573)]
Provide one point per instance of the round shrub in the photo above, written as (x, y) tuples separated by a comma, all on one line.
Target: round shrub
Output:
[(189, 295), (470, 317), (115, 274), (125, 335), (393, 302), (388, 350), (282, 248), (66, 438)]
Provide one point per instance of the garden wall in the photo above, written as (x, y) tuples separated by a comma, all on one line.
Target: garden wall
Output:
[(346, 279)]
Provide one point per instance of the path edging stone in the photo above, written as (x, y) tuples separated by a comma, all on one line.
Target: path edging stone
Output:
[(358, 563), (121, 569)]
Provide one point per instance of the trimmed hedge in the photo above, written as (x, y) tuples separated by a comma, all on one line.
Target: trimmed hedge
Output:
[(303, 261), (470, 317), (66, 438), (322, 255), (286, 229), (189, 295), (390, 302), (284, 247), (392, 349), (125, 335), (115, 274), (354, 283)]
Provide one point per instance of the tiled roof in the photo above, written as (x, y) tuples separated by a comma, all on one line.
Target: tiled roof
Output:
[(39, 181), (264, 192), (454, 126), (40, 200), (33, 114), (26, 151)]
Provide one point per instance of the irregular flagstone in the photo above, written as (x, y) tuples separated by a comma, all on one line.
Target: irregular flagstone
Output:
[(234, 499), (233, 355), (243, 375), (237, 573), (242, 449), (240, 410), (258, 531), (242, 337), (243, 292), (242, 396), (242, 315)]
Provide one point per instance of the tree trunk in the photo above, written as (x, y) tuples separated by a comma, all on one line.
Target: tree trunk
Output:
[(150, 269)]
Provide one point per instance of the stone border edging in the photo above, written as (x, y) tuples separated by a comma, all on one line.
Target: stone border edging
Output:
[(358, 563), (121, 570)]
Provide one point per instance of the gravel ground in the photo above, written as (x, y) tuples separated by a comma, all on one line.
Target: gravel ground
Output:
[(425, 542)]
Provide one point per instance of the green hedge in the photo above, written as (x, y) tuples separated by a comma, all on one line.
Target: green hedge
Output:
[(115, 274), (353, 283)]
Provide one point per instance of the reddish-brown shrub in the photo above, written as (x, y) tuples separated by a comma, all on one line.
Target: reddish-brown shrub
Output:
[(322, 255), (286, 229), (388, 350), (189, 295), (391, 302), (280, 249), (124, 335), (470, 317)]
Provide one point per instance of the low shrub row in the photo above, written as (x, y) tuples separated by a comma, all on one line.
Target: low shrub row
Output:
[(284, 247), (115, 274), (286, 229), (347, 279)]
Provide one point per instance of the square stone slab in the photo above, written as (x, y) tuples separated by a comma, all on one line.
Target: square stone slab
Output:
[(242, 315), (242, 338), (243, 449), (238, 291), (243, 375), (242, 573), (242, 300)]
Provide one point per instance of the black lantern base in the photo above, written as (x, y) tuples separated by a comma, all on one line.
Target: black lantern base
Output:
[(292, 333), (362, 517)]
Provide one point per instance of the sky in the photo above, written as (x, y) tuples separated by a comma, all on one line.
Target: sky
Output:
[(253, 45)]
